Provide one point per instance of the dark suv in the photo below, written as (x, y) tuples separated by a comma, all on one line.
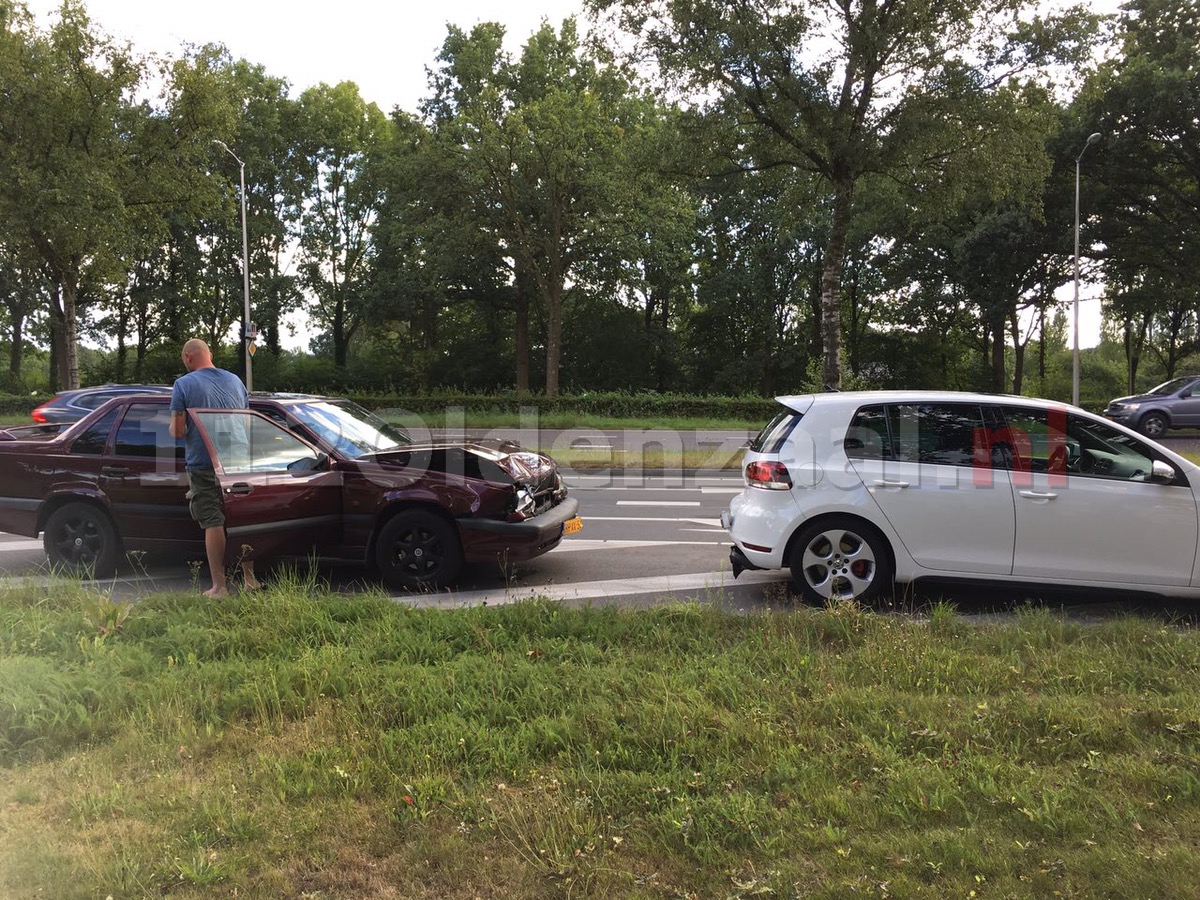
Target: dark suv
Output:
[(1173, 404)]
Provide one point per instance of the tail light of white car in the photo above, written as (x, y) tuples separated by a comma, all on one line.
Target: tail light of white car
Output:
[(770, 475)]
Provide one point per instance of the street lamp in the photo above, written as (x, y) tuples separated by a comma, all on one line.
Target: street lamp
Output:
[(247, 332), (1092, 138)]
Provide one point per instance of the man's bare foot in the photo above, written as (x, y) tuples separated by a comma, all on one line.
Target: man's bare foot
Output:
[(216, 592)]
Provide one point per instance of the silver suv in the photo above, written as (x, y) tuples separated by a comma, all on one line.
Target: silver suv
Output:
[(1173, 404)]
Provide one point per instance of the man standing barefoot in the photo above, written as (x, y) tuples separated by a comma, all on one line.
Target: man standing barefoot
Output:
[(207, 387)]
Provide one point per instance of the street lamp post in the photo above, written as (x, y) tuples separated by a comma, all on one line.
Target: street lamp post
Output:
[(1092, 138), (247, 333)]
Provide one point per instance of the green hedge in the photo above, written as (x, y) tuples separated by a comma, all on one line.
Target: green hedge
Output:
[(608, 405), (20, 404)]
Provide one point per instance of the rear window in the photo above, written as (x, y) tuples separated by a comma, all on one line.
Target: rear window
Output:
[(771, 438), (145, 432)]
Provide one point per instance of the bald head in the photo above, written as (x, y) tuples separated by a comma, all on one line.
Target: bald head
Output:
[(196, 355)]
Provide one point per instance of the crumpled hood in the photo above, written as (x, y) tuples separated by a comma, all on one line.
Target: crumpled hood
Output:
[(507, 461)]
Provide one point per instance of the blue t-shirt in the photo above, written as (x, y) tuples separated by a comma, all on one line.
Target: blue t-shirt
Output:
[(207, 388)]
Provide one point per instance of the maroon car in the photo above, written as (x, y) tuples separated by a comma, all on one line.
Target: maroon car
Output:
[(300, 475)]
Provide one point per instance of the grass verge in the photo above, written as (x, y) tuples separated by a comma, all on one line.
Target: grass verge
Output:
[(295, 743)]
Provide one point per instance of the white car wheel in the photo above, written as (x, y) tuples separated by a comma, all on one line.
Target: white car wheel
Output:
[(841, 558)]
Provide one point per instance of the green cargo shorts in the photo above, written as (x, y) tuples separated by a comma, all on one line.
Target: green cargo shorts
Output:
[(204, 499)]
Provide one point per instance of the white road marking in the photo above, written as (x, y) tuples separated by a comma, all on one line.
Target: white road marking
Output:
[(628, 483), (658, 503), (655, 475), (601, 544), (720, 490), (713, 522), (700, 585)]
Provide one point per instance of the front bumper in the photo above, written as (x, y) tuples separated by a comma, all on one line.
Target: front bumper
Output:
[(1124, 416), (485, 539)]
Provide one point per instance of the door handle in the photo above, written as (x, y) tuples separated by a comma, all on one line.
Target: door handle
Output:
[(239, 488), (1038, 496), (115, 471), (891, 485)]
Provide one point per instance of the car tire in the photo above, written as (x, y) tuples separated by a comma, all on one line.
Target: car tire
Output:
[(81, 539), (1153, 425), (841, 558), (418, 550)]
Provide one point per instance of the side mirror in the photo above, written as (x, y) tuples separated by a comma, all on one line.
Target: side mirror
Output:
[(307, 464), (1161, 473)]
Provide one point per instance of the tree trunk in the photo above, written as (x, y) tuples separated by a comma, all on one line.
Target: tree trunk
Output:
[(522, 331), (1133, 349), (554, 317), (70, 332), (831, 285), (122, 346), (340, 350), (1019, 346), (1018, 368), (997, 363), (57, 375), (16, 330), (1042, 344)]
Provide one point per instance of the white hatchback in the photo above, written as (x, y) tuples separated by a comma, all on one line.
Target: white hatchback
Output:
[(856, 491)]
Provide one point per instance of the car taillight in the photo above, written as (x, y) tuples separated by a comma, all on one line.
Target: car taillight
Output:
[(39, 416), (771, 476)]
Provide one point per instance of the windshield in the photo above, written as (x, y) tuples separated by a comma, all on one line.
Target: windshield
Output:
[(1170, 387), (348, 428)]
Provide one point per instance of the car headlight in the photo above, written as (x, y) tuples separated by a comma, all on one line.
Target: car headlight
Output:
[(1127, 407), (524, 505)]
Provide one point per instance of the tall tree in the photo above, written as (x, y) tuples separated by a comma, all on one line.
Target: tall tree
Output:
[(95, 169), (64, 130), (545, 145), (338, 133), (1144, 177), (854, 88)]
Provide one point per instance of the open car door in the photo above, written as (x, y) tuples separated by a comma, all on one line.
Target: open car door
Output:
[(282, 496)]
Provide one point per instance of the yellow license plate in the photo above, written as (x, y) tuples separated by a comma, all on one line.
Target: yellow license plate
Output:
[(572, 525)]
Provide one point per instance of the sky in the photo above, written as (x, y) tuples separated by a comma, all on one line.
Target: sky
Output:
[(383, 47)]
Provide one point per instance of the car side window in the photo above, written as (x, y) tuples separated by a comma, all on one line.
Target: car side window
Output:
[(867, 437), (92, 401), (948, 434), (92, 441), (245, 443), (775, 432), (1058, 442), (1105, 452), (144, 432)]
